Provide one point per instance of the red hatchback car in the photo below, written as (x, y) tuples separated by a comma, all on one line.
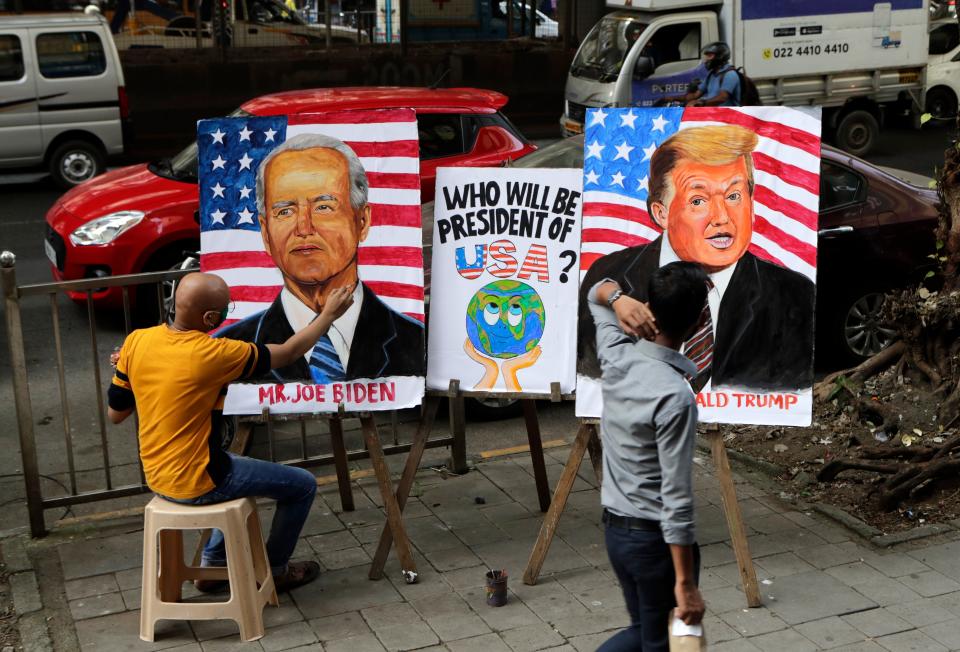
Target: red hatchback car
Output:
[(142, 218)]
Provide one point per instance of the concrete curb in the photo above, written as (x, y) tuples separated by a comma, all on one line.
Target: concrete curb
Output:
[(27, 603), (848, 520)]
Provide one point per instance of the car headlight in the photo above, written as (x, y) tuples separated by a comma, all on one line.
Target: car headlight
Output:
[(105, 230)]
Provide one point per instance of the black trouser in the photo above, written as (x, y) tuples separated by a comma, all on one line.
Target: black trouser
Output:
[(641, 559)]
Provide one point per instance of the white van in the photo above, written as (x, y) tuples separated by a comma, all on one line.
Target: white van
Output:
[(943, 71), (62, 99)]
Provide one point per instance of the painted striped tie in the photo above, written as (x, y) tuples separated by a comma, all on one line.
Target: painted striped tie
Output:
[(699, 347), (325, 365)]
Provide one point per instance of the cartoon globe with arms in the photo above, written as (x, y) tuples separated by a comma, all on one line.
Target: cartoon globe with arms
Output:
[(505, 319)]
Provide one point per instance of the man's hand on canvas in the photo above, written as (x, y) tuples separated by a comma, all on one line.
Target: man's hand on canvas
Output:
[(635, 317), (338, 302)]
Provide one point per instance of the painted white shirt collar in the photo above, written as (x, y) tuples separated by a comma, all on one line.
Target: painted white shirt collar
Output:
[(341, 332)]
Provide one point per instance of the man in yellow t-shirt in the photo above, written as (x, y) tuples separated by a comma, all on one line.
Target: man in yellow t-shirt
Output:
[(175, 377)]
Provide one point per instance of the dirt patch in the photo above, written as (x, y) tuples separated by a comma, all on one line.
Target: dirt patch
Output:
[(904, 423), (9, 634)]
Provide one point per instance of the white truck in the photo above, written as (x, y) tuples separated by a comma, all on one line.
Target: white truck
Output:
[(858, 59)]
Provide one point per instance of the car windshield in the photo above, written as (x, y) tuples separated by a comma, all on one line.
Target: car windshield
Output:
[(270, 11), (183, 166), (567, 153), (606, 46)]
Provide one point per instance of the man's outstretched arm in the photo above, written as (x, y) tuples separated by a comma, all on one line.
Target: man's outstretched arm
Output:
[(303, 340)]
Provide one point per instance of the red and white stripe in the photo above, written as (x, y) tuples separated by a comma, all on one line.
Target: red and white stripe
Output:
[(390, 260), (785, 199)]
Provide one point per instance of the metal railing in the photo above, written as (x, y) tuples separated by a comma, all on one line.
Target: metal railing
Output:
[(108, 485)]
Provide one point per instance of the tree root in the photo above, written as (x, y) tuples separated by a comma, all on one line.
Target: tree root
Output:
[(832, 469), (893, 493), (866, 369)]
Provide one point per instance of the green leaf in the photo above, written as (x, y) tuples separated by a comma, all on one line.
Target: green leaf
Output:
[(932, 184), (939, 245), (927, 275), (925, 118)]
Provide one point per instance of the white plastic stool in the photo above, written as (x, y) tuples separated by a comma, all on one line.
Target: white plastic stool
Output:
[(247, 567)]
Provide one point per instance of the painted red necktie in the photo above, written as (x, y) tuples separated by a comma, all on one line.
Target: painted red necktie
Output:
[(699, 347)]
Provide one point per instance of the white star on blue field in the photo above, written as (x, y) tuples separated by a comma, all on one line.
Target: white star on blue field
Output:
[(618, 144), (230, 151)]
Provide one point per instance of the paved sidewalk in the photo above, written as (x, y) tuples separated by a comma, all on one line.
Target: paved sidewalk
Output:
[(823, 588)]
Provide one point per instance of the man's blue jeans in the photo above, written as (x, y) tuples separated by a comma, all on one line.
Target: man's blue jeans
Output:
[(293, 489), (644, 567)]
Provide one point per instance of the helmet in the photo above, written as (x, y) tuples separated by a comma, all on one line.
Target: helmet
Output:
[(721, 55)]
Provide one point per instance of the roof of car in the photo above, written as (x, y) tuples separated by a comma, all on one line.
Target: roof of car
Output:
[(51, 20), (440, 100)]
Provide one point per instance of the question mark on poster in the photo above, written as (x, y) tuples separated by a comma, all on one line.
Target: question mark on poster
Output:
[(572, 255)]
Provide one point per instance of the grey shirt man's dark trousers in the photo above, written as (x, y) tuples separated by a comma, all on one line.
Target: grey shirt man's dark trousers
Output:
[(641, 559)]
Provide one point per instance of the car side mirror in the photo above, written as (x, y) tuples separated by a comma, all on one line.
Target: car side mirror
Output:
[(956, 57), (643, 68)]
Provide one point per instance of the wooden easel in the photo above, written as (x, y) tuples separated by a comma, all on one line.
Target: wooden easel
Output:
[(588, 440), (394, 530)]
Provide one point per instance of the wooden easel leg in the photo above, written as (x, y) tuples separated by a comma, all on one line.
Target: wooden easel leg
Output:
[(560, 495), (340, 463), (414, 458), (394, 516), (458, 429), (595, 448), (731, 509), (536, 452)]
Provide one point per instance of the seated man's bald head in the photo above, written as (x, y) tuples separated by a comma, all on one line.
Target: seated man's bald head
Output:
[(197, 294)]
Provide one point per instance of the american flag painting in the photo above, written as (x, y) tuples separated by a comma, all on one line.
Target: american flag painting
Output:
[(372, 356), (619, 143), (230, 151), (757, 243)]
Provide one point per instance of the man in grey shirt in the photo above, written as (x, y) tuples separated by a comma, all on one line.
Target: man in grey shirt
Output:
[(648, 432)]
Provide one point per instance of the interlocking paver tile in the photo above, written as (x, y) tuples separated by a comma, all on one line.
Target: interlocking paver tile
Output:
[(337, 540), (877, 622), (514, 614), (452, 558), (944, 558), (450, 617), (388, 615), (605, 621), (230, 643), (531, 638), (925, 611), (830, 554), (97, 605), (785, 640), (780, 565), (894, 564), (409, 636), (718, 631), (343, 590), (88, 586), (830, 632), (913, 641), (813, 595), (98, 556), (485, 643), (558, 606), (886, 591), (946, 633), (724, 599), (120, 632), (344, 558), (862, 646), (590, 642), (601, 598), (360, 643), (739, 645), (331, 628), (752, 622), (286, 637), (855, 573), (930, 583)]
